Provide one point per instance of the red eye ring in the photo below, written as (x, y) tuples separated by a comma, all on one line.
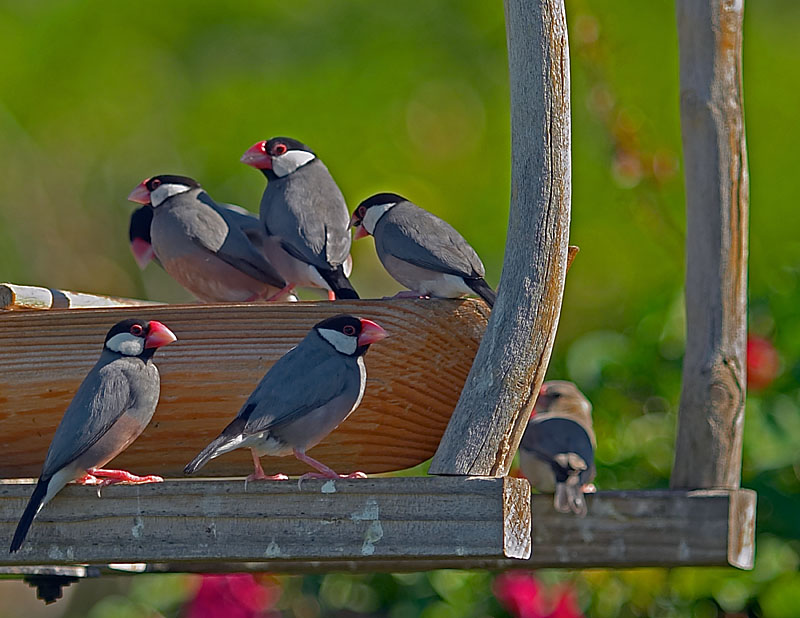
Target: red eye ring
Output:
[(362, 211), (136, 330), (279, 149), (155, 182), (349, 330)]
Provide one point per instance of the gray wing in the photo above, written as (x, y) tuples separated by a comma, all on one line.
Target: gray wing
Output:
[(101, 399), (301, 381), (418, 237), (307, 211), (246, 221), (224, 236)]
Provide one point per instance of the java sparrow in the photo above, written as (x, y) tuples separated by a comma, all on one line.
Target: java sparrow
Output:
[(111, 407), (302, 398), (202, 244), (557, 448), (305, 216), (139, 235), (420, 250)]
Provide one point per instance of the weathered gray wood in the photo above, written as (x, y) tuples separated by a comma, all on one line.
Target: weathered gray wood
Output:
[(487, 424), (413, 380), (623, 529), (190, 521), (15, 297), (708, 450)]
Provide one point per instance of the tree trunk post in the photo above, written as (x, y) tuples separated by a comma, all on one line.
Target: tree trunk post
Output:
[(708, 451), (484, 432)]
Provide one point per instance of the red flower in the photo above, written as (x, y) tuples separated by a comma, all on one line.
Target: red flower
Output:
[(763, 364), (523, 596), (232, 596)]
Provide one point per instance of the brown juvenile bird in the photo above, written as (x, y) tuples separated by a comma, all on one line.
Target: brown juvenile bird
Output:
[(557, 449)]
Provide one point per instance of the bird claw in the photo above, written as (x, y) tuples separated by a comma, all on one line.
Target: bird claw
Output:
[(329, 477), (589, 489), (263, 477), (406, 294)]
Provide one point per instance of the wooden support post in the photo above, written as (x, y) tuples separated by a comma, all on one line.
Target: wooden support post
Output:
[(708, 451), (487, 424)]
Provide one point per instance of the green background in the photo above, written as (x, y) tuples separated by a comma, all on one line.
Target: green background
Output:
[(412, 97)]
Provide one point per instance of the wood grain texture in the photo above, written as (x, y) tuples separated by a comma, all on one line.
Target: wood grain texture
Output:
[(189, 521), (708, 451), (623, 529), (488, 422), (15, 297), (413, 380)]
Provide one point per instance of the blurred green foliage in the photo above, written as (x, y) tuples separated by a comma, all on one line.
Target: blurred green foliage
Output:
[(412, 97)]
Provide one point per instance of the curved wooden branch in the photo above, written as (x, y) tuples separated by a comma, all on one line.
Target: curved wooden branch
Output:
[(709, 445), (487, 424)]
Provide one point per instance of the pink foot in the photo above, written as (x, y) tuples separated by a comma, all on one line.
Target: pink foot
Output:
[(114, 477), (259, 475), (324, 471), (281, 293), (88, 479), (331, 295)]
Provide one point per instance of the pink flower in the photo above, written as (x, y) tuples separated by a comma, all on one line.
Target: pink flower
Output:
[(523, 596), (232, 596)]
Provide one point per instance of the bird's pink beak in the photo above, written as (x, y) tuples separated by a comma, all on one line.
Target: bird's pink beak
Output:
[(142, 252), (370, 333), (256, 156), (361, 232), (158, 335), (141, 194)]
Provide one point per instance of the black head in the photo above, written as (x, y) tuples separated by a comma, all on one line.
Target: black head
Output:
[(170, 179), (560, 396), (136, 337), (349, 335), (379, 199), (277, 146)]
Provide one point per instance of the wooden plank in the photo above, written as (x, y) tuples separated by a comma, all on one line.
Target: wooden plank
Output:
[(414, 379), (189, 521), (15, 297), (488, 422), (708, 450), (623, 529)]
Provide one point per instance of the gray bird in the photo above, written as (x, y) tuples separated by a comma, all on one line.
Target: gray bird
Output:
[(204, 246), (302, 398), (420, 250), (305, 216), (111, 407), (557, 448)]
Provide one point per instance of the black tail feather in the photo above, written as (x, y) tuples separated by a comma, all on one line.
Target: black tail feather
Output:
[(34, 504), (482, 289), (218, 445), (339, 282)]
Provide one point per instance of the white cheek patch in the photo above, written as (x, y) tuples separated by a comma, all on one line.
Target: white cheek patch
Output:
[(166, 191), (127, 344), (374, 213), (289, 162), (342, 343)]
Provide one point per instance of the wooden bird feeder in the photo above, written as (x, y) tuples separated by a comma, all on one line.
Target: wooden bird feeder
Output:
[(458, 385)]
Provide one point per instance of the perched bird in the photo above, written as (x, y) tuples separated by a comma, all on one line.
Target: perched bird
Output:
[(305, 216), (420, 250), (302, 398), (202, 245), (111, 407), (557, 448), (139, 235)]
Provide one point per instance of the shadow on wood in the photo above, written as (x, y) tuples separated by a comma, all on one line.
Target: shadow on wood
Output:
[(414, 380)]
